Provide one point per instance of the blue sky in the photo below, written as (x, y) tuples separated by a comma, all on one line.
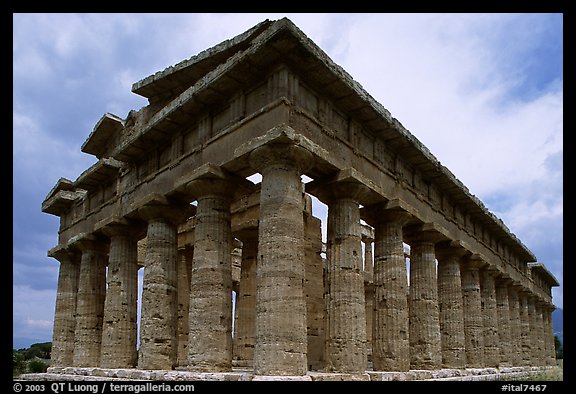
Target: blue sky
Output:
[(484, 92)]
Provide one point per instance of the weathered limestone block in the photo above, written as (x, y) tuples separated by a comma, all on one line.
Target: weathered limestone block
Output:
[(504, 322), (473, 319), (281, 337), (184, 278), (346, 336), (210, 319), (90, 302), (245, 330), (65, 313), (515, 326), (425, 343), (390, 343), (120, 308), (490, 318), (158, 342), (451, 309)]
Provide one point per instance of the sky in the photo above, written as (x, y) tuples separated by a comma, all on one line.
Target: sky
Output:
[(483, 92)]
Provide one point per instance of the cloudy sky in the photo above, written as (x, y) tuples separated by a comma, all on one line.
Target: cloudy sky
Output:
[(483, 92)]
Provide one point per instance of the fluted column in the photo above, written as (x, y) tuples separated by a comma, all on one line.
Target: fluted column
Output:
[(90, 302), (425, 343), (210, 319), (504, 321), (515, 326), (525, 327), (489, 318), (184, 278), (534, 329), (281, 336), (390, 324), (159, 313), (539, 334), (346, 336), (473, 319), (450, 303), (549, 335), (368, 259), (119, 332), (65, 312), (245, 331)]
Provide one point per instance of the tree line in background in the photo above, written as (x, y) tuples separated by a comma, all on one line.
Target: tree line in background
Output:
[(36, 358)]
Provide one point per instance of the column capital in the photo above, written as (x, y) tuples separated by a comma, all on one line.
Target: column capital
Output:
[(281, 154), (474, 261), (209, 179), (425, 232), (114, 225), (396, 210), (63, 253), (84, 242), (157, 207), (448, 249), (344, 184)]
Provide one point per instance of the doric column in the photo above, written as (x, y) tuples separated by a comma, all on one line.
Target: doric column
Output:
[(540, 358), (515, 325), (472, 304), (346, 336), (184, 278), (281, 336), (90, 302), (525, 327), (450, 303), (368, 259), (158, 320), (489, 318), (119, 333), (534, 329), (504, 321), (245, 330), (549, 335), (390, 325), (425, 343), (65, 313), (210, 319)]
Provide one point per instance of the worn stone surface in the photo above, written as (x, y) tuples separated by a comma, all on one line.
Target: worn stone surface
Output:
[(504, 322), (390, 345), (65, 313), (90, 303), (281, 338), (425, 344), (184, 278), (158, 345), (120, 308), (346, 336), (451, 312), (473, 318), (490, 319), (515, 327), (525, 328)]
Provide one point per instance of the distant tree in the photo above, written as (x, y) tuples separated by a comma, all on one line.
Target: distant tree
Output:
[(558, 347), (40, 350)]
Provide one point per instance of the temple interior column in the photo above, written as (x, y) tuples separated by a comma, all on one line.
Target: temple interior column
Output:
[(65, 311)]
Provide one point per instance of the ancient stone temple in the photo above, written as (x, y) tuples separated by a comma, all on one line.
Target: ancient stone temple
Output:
[(235, 273)]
